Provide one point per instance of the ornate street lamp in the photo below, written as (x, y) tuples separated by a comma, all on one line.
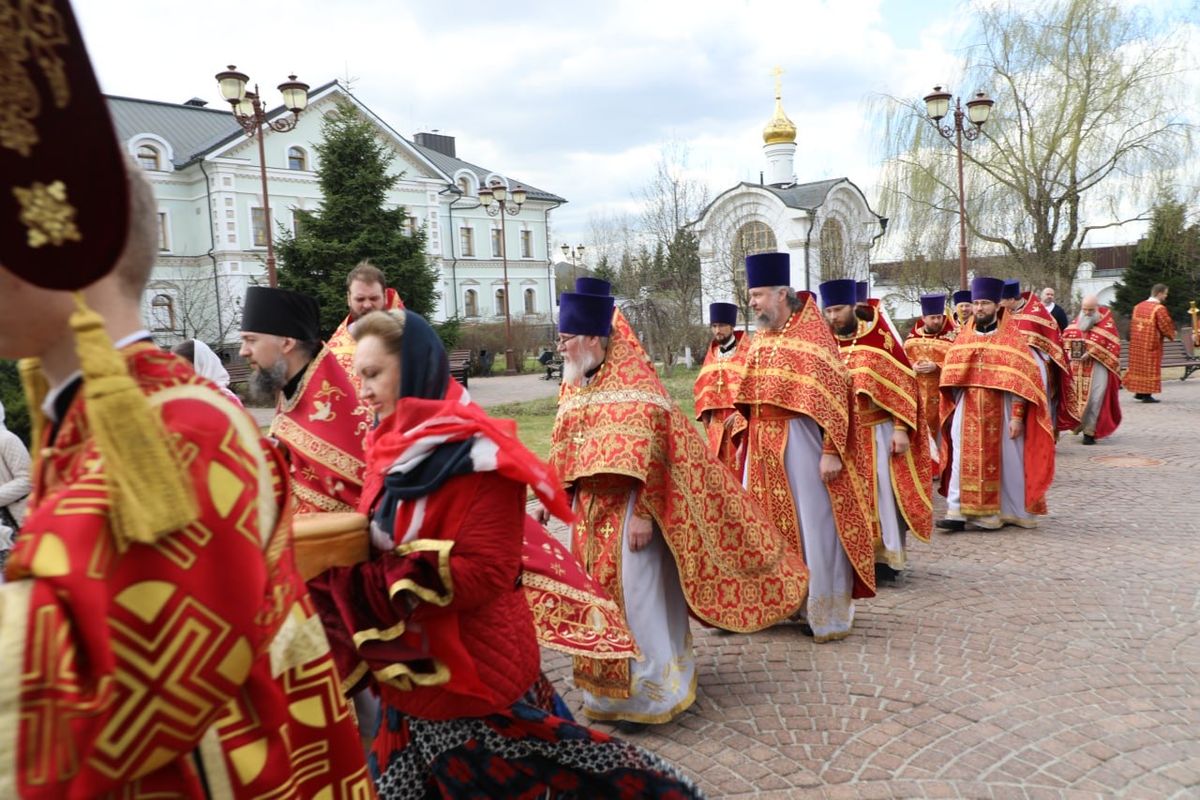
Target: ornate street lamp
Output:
[(572, 252), (495, 200), (979, 108), (248, 110)]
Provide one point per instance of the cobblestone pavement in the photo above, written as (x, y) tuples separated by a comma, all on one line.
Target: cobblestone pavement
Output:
[(1062, 662)]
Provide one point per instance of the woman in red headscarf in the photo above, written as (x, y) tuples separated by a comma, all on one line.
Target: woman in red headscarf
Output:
[(436, 620)]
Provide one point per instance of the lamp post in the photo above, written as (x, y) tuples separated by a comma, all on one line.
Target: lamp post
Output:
[(248, 110), (572, 252), (979, 108), (495, 201)]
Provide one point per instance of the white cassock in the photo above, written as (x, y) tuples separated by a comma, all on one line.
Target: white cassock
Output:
[(830, 609), (892, 525), (664, 681)]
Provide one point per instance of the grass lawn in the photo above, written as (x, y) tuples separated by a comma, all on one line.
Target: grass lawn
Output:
[(535, 418)]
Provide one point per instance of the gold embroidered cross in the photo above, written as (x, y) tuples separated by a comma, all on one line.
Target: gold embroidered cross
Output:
[(607, 530)]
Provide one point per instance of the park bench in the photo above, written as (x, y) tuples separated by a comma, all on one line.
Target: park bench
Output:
[(553, 364), (460, 365), (1175, 354)]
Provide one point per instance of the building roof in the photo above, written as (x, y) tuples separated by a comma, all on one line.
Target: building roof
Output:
[(194, 131), (803, 195), (1109, 260), (807, 196), (451, 165), (187, 129)]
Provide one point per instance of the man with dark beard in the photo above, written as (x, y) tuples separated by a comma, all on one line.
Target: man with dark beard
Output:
[(884, 420), (963, 309), (926, 348), (995, 422), (318, 416), (1094, 346), (717, 386), (366, 291)]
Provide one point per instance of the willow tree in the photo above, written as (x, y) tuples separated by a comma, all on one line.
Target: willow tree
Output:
[(1090, 117)]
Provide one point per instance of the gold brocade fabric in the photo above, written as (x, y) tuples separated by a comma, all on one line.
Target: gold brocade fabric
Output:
[(1149, 325), (884, 382), (324, 426), (736, 569), (922, 346), (798, 371), (998, 362), (714, 393), (1042, 333)]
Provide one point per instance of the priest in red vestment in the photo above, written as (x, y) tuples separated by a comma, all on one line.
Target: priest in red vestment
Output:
[(1150, 325), (717, 385), (995, 422), (1094, 346), (964, 311), (156, 639), (318, 416), (892, 456), (1044, 337), (799, 461), (926, 346), (366, 291), (663, 526)]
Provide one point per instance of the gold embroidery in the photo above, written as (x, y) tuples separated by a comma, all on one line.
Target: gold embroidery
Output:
[(33, 27), (47, 214)]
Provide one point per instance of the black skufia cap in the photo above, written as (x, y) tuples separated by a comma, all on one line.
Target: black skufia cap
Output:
[(281, 312)]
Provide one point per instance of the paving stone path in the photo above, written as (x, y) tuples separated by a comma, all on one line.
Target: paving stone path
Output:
[(1062, 662)]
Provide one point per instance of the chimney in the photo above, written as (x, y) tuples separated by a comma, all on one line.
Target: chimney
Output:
[(196, 101), (436, 141)]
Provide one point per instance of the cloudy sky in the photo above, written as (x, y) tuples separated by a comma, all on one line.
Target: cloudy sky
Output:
[(574, 98)]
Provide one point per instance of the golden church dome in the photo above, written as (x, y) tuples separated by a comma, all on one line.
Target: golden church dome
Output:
[(780, 130)]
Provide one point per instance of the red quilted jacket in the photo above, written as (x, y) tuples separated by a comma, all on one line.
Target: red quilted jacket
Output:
[(484, 514)]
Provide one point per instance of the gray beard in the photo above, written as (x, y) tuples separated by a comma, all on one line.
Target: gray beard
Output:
[(1086, 322), (266, 384), (574, 371)]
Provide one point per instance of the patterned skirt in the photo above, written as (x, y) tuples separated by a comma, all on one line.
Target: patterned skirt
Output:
[(524, 752)]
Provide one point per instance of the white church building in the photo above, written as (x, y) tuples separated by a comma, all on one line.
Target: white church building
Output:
[(212, 243), (826, 226)]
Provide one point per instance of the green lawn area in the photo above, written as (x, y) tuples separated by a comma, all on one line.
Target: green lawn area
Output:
[(535, 418)]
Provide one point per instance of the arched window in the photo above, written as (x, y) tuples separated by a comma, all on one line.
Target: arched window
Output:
[(162, 312), (464, 183), (148, 157), (501, 305), (751, 238), (530, 301), (471, 302), (297, 159), (833, 251)]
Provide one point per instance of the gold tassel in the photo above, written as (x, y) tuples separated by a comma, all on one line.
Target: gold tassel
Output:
[(150, 493), (33, 380)]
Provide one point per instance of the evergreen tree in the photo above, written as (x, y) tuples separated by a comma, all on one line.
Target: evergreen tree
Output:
[(354, 223), (604, 271), (1169, 255)]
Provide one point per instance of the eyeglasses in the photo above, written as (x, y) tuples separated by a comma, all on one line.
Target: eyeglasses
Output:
[(562, 340)]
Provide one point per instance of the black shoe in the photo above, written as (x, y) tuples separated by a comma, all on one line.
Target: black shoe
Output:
[(1140, 396), (952, 524), (806, 629), (885, 572), (1089, 439), (1149, 398), (631, 728)]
